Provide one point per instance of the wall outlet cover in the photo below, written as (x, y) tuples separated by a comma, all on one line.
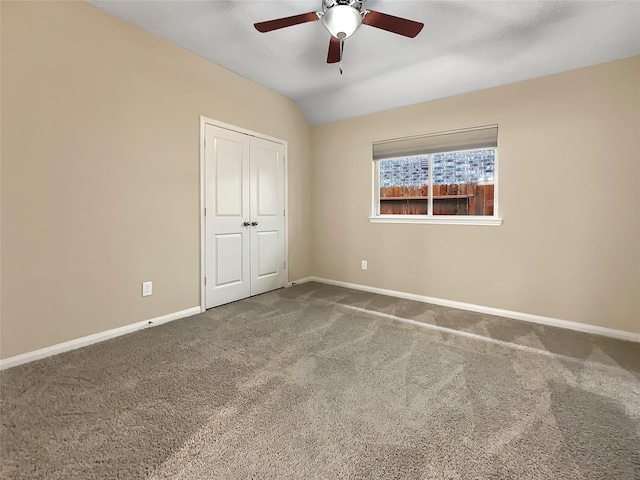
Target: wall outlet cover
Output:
[(364, 264), (147, 288)]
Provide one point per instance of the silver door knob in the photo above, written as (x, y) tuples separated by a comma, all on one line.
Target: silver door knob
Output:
[(255, 224), (246, 224)]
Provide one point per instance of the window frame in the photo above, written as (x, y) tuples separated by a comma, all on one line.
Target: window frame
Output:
[(430, 218)]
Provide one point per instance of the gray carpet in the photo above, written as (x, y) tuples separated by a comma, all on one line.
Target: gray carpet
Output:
[(323, 382)]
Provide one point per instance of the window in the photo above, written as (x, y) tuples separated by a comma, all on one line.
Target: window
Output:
[(442, 178)]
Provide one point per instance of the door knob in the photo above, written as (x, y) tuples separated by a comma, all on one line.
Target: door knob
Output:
[(246, 224), (255, 224)]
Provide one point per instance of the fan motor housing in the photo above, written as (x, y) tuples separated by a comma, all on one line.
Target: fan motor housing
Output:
[(327, 4)]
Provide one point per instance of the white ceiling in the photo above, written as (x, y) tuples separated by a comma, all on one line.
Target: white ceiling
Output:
[(464, 46)]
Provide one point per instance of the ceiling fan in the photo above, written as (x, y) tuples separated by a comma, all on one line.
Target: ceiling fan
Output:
[(342, 18)]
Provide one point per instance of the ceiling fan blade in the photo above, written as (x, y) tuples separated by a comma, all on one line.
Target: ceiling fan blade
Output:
[(278, 23), (335, 50), (384, 21)]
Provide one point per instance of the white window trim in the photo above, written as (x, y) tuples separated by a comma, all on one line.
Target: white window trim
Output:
[(439, 219), (494, 220)]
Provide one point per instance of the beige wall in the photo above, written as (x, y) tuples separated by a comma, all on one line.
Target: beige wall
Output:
[(569, 183), (100, 170)]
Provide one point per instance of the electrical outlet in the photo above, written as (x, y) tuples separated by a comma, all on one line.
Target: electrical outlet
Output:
[(147, 288), (364, 264)]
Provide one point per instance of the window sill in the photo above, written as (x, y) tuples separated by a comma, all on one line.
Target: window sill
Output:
[(438, 220)]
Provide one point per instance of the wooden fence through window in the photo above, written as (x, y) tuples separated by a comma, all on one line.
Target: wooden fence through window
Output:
[(452, 199)]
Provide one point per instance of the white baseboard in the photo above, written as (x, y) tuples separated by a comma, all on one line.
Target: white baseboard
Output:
[(95, 338), (527, 317), (302, 280)]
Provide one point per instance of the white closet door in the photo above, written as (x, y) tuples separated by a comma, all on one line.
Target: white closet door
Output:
[(267, 216), (244, 221), (227, 217)]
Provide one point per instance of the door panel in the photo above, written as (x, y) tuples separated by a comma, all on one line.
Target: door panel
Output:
[(228, 184), (267, 211), (268, 243), (229, 248), (227, 208), (267, 184)]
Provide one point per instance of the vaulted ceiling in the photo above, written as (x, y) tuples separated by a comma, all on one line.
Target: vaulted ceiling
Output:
[(464, 46)]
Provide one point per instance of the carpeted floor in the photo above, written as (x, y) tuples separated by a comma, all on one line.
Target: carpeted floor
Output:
[(323, 382)]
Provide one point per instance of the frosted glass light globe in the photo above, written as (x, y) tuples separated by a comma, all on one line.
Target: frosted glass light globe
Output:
[(342, 21)]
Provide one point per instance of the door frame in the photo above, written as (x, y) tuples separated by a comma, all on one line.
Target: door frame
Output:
[(204, 121)]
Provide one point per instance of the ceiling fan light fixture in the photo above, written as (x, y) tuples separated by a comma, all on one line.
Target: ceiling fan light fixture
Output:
[(342, 21)]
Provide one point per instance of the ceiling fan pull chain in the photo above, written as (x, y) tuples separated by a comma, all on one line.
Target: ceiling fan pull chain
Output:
[(341, 52)]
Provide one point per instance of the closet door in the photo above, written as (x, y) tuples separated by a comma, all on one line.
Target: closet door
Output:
[(267, 215), (227, 217), (244, 215)]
